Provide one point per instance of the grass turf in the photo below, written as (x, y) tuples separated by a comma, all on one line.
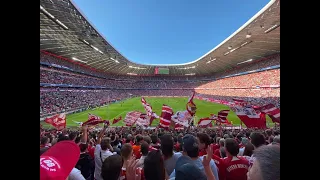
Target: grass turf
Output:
[(204, 109)]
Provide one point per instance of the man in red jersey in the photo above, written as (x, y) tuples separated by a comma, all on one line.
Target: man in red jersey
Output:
[(234, 167)]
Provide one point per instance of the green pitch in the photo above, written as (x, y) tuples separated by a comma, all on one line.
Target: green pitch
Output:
[(204, 109)]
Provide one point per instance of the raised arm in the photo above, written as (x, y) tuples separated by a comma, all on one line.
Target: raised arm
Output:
[(102, 133), (84, 138), (206, 164)]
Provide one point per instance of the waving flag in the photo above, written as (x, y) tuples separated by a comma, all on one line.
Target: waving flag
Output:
[(143, 120), (206, 122), (222, 117), (165, 118), (152, 115), (93, 120), (185, 117), (115, 120), (250, 117), (272, 111), (132, 117), (58, 121), (191, 107)]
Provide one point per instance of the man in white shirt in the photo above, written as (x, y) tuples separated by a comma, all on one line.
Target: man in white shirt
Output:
[(102, 151)]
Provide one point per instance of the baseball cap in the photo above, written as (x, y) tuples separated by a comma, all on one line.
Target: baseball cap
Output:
[(187, 170), (189, 143), (58, 161)]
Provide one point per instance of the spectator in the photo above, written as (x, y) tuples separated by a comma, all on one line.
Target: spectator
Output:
[(154, 166), (221, 152), (170, 158), (191, 148), (102, 151), (204, 140), (144, 153), (85, 163), (236, 167), (137, 145), (126, 154), (267, 164), (111, 167)]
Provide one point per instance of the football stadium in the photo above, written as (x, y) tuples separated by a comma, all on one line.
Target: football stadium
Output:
[(103, 116)]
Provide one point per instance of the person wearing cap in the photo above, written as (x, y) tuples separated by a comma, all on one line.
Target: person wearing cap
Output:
[(102, 151), (190, 146), (58, 162)]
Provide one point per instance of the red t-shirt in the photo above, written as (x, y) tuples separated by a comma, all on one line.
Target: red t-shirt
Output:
[(91, 151), (217, 152), (215, 146), (220, 165), (236, 169), (202, 152)]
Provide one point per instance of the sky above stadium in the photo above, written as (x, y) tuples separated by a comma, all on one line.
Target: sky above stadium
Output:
[(167, 31)]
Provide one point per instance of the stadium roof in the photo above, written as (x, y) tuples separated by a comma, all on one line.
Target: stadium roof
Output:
[(66, 32)]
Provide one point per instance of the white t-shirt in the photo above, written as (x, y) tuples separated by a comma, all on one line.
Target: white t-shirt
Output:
[(75, 174), (97, 160)]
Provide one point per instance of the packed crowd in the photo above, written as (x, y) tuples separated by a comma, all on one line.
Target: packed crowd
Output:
[(257, 64), (264, 78), (55, 100), (134, 154), (54, 76)]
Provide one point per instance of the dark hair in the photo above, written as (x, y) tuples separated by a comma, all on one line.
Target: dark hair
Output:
[(167, 145), (248, 149), (154, 138), (126, 150), (204, 138), (257, 139), (139, 138), (147, 139), (268, 158), (83, 147), (77, 140), (62, 138), (154, 166), (268, 132), (232, 146), (44, 140), (193, 153), (144, 148), (111, 167), (105, 143), (248, 134), (73, 135)]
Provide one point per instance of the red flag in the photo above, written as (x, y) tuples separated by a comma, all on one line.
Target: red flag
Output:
[(58, 121), (116, 120), (143, 120), (272, 111), (132, 117), (152, 115), (165, 118), (93, 120), (191, 107), (207, 121), (250, 117), (222, 116)]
